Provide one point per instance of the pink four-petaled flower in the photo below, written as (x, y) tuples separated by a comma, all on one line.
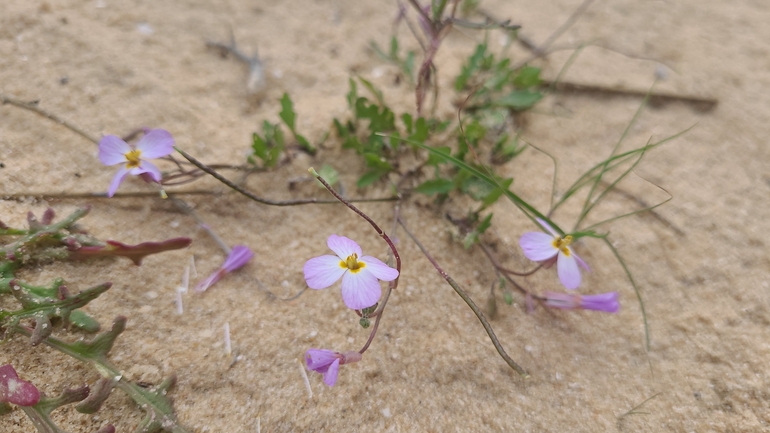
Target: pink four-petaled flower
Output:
[(134, 158), (360, 274), (327, 362), (546, 249)]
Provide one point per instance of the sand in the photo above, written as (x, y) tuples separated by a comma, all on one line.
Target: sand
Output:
[(110, 67)]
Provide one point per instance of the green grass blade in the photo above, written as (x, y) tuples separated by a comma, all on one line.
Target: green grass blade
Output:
[(636, 290)]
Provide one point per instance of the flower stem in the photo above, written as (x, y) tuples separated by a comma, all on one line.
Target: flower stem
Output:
[(471, 304), (393, 284), (213, 173)]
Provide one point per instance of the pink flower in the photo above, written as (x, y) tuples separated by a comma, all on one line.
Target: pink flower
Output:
[(328, 362), (546, 249), (16, 391), (360, 286), (607, 302), (134, 158), (239, 256)]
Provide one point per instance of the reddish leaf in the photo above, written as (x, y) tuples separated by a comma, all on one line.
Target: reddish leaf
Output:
[(134, 252), (15, 390)]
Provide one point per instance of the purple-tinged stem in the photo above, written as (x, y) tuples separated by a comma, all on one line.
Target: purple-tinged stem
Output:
[(480, 315), (393, 284)]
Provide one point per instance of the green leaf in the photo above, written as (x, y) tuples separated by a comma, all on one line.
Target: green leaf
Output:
[(519, 99), (289, 118), (329, 174), (43, 308), (473, 237), (352, 95), (525, 207), (408, 124), (477, 188), (287, 111), (475, 132), (376, 162), (421, 130), (381, 119), (434, 159), (393, 48), (496, 193), (506, 149), (369, 178), (471, 67), (260, 146), (409, 65), (508, 297), (435, 186), (376, 92), (528, 76), (83, 321)]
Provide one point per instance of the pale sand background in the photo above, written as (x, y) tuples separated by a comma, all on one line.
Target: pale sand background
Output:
[(432, 367)]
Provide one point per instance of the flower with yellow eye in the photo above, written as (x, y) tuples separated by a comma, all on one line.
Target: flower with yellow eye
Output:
[(134, 159), (360, 274), (544, 248)]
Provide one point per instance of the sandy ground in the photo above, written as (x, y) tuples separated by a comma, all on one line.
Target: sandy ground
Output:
[(111, 66)]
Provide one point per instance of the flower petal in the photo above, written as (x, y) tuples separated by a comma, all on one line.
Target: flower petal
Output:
[(239, 256), (343, 247), (548, 227), (538, 246), (580, 261), (360, 290), (117, 180), (149, 168), (561, 300), (380, 270), (155, 144), (567, 268), (607, 302), (320, 359), (330, 377), (210, 281), (113, 150), (322, 272)]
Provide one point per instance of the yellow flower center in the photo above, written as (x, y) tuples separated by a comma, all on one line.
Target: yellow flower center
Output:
[(133, 158), (562, 244), (352, 263)]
